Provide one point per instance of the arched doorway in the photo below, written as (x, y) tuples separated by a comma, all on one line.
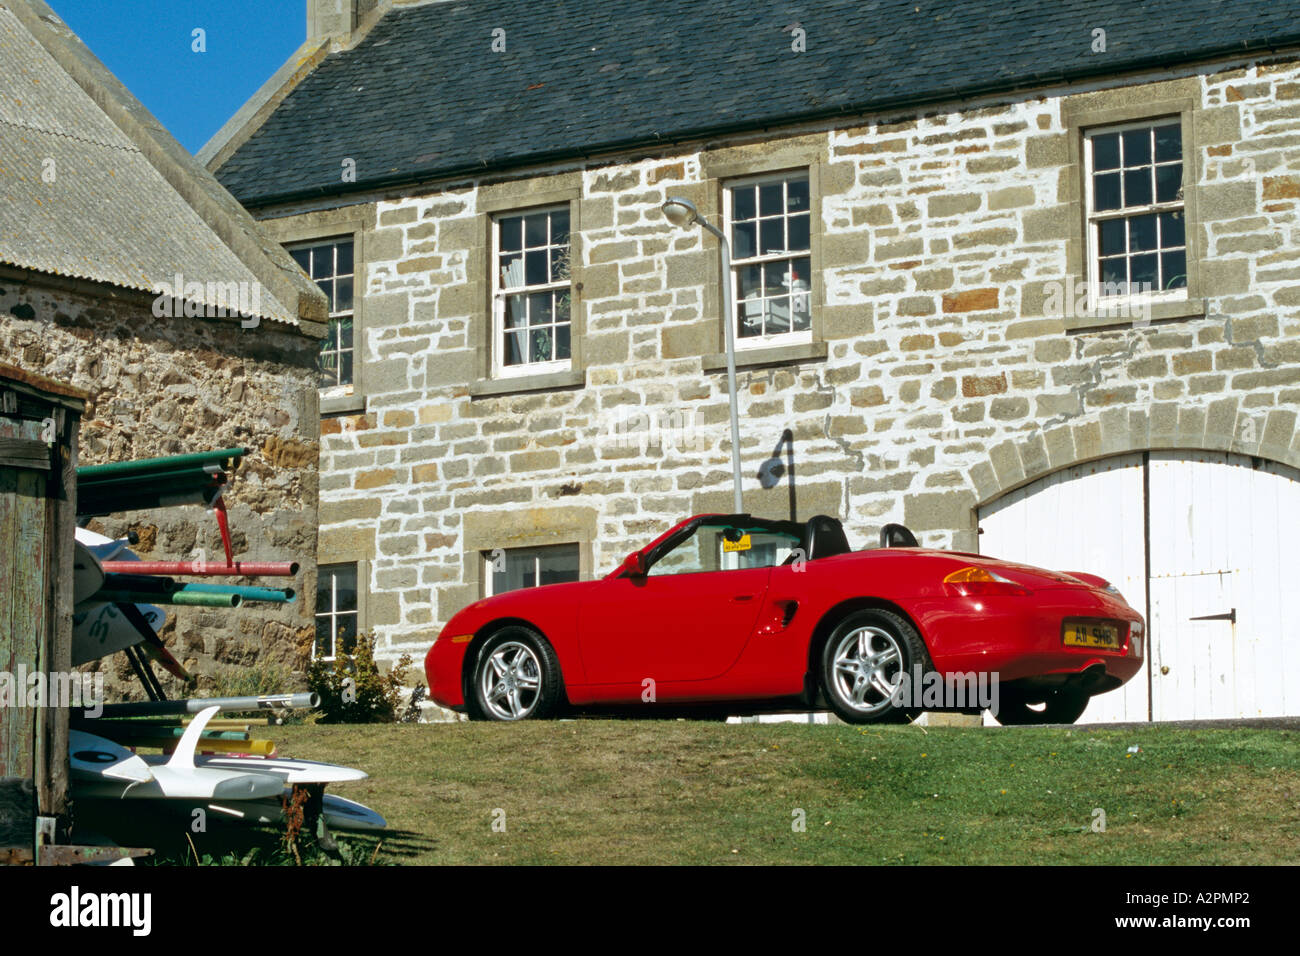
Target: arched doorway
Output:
[(1202, 543)]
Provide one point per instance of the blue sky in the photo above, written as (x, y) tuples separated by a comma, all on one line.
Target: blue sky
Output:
[(148, 45)]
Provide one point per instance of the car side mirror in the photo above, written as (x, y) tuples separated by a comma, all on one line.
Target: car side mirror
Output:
[(634, 564)]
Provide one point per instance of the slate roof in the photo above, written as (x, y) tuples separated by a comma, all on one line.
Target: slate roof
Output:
[(422, 96), (108, 215)]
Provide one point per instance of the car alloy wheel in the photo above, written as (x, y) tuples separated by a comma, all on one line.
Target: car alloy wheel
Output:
[(511, 681), (516, 676), (863, 661), (868, 663)]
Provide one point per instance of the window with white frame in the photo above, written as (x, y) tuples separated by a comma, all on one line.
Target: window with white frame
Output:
[(336, 611), (510, 569), (1137, 227), (329, 263), (532, 292), (769, 222)]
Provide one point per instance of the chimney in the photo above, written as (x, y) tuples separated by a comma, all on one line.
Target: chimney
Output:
[(336, 18)]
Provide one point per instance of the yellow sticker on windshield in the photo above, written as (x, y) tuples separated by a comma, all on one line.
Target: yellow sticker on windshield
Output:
[(743, 544)]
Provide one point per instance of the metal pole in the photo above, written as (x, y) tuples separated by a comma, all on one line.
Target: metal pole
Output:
[(729, 324), (195, 705)]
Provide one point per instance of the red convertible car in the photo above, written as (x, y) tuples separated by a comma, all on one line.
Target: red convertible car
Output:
[(732, 614)]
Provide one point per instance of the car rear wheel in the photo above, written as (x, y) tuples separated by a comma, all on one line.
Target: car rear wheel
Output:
[(1060, 707), (863, 662), (517, 676)]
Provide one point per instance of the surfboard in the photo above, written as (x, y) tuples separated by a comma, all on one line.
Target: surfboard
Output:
[(87, 574), (105, 548), (288, 770), (94, 758), (343, 814), (100, 629), (337, 812), (195, 784), (180, 779)]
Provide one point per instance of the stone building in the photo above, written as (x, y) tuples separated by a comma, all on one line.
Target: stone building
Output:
[(100, 211), (1020, 267)]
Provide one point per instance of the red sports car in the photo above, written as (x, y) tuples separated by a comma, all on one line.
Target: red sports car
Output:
[(732, 614)]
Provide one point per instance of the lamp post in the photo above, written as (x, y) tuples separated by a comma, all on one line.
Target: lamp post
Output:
[(682, 212)]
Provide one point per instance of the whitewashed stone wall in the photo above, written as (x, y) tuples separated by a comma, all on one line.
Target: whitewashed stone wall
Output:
[(946, 380)]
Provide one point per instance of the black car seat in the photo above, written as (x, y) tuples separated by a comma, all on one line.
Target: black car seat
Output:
[(825, 538), (897, 536)]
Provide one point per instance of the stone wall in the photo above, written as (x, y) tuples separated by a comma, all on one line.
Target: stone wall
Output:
[(941, 373), (170, 386)]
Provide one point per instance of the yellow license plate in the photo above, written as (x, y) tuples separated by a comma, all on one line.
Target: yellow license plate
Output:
[(1091, 634)]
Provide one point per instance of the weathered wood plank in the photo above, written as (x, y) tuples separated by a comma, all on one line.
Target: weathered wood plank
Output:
[(37, 533), (24, 453), (62, 539), (27, 631), (13, 728)]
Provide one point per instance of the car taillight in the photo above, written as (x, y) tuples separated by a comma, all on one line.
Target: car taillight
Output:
[(978, 582)]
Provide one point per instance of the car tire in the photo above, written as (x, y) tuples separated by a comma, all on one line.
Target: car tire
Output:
[(1060, 707), (858, 695), (516, 677)]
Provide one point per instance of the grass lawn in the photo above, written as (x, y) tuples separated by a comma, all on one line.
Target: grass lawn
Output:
[(635, 792)]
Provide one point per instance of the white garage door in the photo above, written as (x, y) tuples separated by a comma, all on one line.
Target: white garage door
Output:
[(1223, 553), (1219, 529), (1086, 518)]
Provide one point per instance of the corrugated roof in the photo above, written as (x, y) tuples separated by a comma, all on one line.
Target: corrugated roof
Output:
[(79, 199), (422, 95)]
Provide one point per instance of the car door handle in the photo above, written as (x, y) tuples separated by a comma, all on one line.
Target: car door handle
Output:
[(743, 597)]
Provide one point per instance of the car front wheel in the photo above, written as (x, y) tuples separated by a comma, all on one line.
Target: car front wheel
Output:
[(863, 662), (517, 676)]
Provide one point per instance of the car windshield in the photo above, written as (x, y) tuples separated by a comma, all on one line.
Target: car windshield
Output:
[(726, 547)]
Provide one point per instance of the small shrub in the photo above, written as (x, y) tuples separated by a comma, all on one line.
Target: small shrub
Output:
[(353, 691), (411, 713), (256, 680)]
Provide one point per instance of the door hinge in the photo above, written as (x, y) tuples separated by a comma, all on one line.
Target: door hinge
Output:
[(1229, 616)]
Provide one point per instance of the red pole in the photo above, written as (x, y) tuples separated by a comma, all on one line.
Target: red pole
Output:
[(223, 525), (208, 569)]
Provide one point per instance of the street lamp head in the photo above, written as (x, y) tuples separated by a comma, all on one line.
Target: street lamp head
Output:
[(680, 212)]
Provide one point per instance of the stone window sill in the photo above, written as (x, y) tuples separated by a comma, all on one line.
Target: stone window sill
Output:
[(1160, 312), (777, 355), (342, 404), (484, 388)]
